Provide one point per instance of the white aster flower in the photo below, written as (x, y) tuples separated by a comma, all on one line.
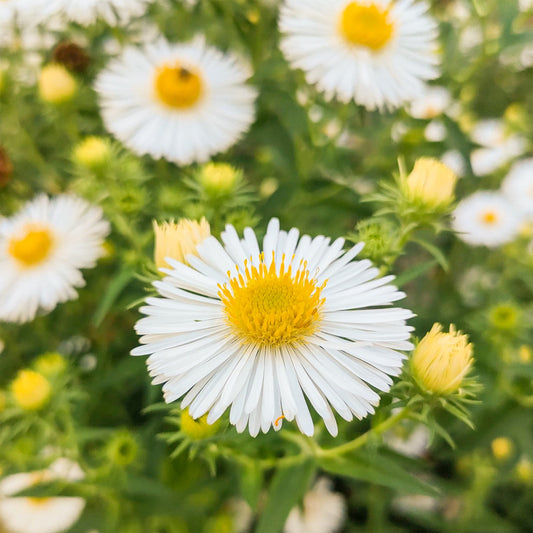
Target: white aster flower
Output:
[(376, 52), (518, 186), (42, 249), (87, 12), (323, 511), (455, 160), (183, 102), (261, 331), (434, 101), (19, 514), (486, 218)]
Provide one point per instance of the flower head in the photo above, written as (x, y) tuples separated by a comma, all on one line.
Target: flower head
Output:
[(518, 186), (42, 249), (197, 429), (486, 218), (56, 84), (258, 331), (93, 152), (31, 390), (502, 448), (441, 360), (376, 52), (192, 94), (178, 240), (430, 183), (50, 364), (218, 179)]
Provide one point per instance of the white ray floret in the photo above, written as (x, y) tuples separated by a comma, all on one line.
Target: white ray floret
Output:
[(266, 334), (518, 187), (181, 102), (375, 52), (42, 249)]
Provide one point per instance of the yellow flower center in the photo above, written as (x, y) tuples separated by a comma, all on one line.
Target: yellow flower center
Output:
[(272, 307), (31, 390), (490, 217), (366, 25), (177, 86), (32, 248)]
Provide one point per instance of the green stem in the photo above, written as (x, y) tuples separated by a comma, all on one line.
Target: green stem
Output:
[(363, 439)]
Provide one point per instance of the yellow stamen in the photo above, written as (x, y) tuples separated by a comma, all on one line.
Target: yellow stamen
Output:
[(272, 307), (366, 25), (177, 86), (33, 247), (489, 217)]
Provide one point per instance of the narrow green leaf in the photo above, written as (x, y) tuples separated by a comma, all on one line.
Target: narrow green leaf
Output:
[(413, 273), (435, 252), (251, 482), (379, 470), (115, 287), (287, 488)]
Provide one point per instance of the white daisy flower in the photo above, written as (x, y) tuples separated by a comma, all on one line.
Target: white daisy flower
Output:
[(42, 249), (323, 511), (261, 331), (486, 218), (434, 101), (518, 186), (19, 514), (376, 52), (455, 160), (183, 102), (87, 12)]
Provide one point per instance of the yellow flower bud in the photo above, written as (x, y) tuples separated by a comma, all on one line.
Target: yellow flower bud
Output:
[(197, 429), (50, 364), (441, 360), (178, 240), (56, 84), (525, 354), (31, 390), (431, 183), (524, 470), (218, 178), (93, 152), (502, 448)]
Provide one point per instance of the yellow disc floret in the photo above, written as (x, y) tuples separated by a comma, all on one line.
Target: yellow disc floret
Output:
[(31, 390), (441, 360), (366, 25), (32, 247), (177, 86), (272, 306)]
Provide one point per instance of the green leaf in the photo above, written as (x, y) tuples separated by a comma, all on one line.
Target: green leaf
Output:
[(379, 470), (413, 273), (251, 482), (115, 287), (287, 488), (435, 252)]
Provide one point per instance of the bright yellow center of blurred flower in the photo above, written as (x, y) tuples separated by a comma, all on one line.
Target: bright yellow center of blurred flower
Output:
[(272, 307), (366, 25), (31, 390), (431, 182), (441, 360), (502, 448), (177, 86), (33, 247), (490, 217), (178, 240)]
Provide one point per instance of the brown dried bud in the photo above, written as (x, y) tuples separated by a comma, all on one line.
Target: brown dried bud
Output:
[(6, 168), (72, 56)]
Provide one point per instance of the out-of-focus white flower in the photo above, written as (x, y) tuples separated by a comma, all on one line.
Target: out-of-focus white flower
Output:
[(518, 186), (183, 102), (375, 52), (415, 503), (435, 131), (323, 511), (408, 442), (455, 160), (21, 514), (486, 218), (498, 146), (433, 102)]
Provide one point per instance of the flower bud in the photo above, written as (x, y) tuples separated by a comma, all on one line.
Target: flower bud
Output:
[(71, 56), (56, 84), (218, 179), (430, 183), (31, 390), (502, 448), (441, 360), (122, 449), (177, 240), (50, 364), (197, 429), (93, 152)]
